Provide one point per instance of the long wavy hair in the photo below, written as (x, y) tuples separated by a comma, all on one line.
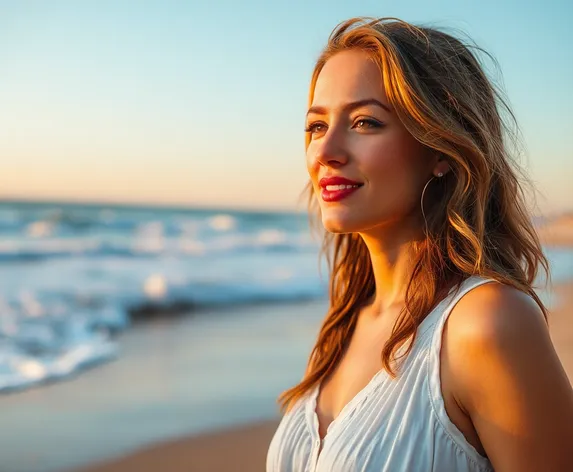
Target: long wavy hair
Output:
[(477, 220)]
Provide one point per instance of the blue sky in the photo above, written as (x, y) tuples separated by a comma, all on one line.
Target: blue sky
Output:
[(203, 103)]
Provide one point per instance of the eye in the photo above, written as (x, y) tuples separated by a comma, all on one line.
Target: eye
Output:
[(316, 127), (366, 123)]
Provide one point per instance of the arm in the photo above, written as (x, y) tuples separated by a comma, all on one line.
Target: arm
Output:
[(510, 382)]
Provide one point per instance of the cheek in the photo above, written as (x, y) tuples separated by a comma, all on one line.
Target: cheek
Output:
[(392, 163)]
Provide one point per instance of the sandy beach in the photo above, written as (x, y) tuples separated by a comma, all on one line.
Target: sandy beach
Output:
[(558, 232), (172, 379), (151, 409), (236, 449), (244, 448)]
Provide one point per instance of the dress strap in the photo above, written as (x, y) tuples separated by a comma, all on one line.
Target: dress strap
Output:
[(434, 380)]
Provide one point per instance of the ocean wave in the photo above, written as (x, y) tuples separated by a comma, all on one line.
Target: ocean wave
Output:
[(146, 244), (57, 330), (73, 278)]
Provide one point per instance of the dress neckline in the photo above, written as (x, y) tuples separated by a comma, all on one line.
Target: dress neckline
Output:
[(364, 391), (312, 401)]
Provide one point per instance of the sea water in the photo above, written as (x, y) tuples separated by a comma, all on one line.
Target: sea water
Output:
[(71, 276)]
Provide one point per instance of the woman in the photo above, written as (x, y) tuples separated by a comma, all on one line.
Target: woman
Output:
[(435, 353)]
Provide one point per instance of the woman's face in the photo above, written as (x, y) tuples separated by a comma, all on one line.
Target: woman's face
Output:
[(366, 169)]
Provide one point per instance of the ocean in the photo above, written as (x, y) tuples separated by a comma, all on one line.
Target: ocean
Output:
[(73, 276)]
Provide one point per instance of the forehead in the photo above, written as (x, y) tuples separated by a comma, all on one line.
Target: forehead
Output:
[(346, 77)]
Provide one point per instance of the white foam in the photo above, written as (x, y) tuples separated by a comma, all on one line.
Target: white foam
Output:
[(68, 277)]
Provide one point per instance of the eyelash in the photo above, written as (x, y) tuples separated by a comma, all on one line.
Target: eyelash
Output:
[(311, 128)]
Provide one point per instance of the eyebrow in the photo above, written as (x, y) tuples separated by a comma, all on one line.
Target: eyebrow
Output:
[(350, 106)]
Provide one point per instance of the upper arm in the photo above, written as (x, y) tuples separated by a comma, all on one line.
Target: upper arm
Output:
[(509, 380)]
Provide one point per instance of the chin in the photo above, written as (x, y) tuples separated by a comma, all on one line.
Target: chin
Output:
[(338, 222)]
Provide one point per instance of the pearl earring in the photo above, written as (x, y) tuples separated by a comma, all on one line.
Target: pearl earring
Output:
[(440, 174)]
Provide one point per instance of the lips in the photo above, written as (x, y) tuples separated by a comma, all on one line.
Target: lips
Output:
[(337, 180), (336, 188)]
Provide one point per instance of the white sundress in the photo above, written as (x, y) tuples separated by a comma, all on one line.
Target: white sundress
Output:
[(391, 425)]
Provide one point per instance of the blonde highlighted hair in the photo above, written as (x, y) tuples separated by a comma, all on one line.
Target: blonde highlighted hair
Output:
[(477, 219)]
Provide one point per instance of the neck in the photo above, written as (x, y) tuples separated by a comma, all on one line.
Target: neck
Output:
[(392, 252)]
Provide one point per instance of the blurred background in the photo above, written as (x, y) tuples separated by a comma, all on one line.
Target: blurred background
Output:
[(158, 278)]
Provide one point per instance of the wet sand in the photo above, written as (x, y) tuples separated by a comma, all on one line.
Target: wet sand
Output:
[(244, 448), (174, 377)]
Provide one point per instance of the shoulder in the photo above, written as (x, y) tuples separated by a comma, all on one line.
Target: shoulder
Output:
[(494, 328), (507, 377), (497, 315)]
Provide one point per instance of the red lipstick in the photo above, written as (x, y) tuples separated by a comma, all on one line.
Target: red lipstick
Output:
[(336, 188)]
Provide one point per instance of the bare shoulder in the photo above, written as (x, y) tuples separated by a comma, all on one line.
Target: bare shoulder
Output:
[(509, 380), (497, 314)]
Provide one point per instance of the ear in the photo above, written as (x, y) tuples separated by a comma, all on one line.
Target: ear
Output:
[(442, 166)]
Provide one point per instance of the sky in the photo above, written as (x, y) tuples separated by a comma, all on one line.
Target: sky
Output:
[(202, 103)]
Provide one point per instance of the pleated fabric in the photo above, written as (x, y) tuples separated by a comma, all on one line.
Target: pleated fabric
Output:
[(392, 425)]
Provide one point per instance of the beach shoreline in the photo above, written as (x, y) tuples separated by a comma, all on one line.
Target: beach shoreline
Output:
[(135, 413), (245, 447), (173, 378)]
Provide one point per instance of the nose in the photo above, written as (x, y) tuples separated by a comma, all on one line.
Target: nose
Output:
[(330, 150)]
